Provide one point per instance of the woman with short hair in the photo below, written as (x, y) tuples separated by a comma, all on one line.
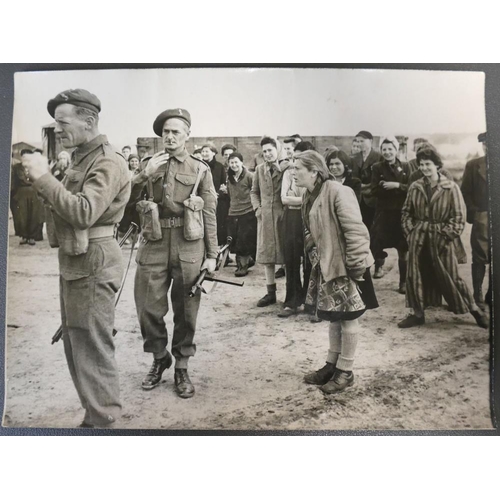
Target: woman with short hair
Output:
[(340, 286), (340, 166), (241, 221), (433, 217)]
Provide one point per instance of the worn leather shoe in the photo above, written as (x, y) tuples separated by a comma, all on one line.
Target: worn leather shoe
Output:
[(183, 385), (411, 321), (340, 381), (267, 300), (402, 289), (280, 273), (153, 378), (321, 376)]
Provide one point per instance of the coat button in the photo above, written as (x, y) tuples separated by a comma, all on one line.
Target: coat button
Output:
[(192, 260)]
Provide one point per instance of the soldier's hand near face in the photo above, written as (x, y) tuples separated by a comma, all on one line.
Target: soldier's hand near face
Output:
[(155, 163), (37, 165), (209, 265)]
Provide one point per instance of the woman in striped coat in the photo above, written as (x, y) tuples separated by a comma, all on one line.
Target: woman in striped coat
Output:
[(432, 217)]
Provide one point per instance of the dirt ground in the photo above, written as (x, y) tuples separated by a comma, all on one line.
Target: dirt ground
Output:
[(249, 363)]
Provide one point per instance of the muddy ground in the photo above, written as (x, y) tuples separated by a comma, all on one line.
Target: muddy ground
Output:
[(249, 364)]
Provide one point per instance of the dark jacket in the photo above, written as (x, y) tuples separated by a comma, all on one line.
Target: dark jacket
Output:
[(363, 169), (390, 199), (218, 173), (475, 187)]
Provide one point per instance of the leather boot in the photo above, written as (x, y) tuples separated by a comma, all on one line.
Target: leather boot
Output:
[(478, 272), (379, 268), (269, 298), (242, 266), (153, 378)]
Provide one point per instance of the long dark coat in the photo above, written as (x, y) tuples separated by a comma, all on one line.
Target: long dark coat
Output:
[(266, 201), (430, 226)]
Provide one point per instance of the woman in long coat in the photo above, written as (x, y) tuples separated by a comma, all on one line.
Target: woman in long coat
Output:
[(27, 210), (266, 201), (340, 287), (433, 216)]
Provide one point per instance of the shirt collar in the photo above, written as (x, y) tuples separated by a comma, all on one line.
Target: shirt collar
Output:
[(85, 149), (181, 156)]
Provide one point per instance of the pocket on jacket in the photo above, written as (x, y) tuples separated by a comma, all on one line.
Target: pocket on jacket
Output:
[(183, 187)]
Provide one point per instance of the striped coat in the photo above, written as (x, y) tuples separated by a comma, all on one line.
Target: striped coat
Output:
[(429, 227)]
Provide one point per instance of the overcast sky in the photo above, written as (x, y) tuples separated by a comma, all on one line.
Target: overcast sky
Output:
[(253, 102)]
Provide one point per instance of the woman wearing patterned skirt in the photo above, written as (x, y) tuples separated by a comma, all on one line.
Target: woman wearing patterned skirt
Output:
[(340, 286)]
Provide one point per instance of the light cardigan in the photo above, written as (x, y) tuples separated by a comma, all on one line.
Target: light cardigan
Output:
[(338, 232)]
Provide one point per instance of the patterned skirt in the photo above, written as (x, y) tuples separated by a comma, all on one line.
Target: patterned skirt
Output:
[(340, 299)]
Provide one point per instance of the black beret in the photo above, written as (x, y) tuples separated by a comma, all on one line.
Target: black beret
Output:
[(365, 135), (181, 114), (77, 97), (482, 137)]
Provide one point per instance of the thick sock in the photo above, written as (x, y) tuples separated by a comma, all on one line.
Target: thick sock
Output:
[(349, 335), (334, 335), (181, 363), (271, 289), (160, 355), (269, 269)]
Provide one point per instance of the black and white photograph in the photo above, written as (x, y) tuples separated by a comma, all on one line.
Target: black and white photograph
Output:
[(249, 249)]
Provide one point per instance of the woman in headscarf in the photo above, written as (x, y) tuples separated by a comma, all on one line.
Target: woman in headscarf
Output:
[(340, 286), (433, 217), (340, 166), (61, 165), (266, 202), (389, 185)]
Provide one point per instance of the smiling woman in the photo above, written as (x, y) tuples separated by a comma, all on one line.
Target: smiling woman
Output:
[(433, 216)]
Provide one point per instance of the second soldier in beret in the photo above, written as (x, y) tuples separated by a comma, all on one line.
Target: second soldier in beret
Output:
[(173, 263)]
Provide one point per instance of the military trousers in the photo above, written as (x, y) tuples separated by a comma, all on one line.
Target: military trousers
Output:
[(171, 263), (88, 284)]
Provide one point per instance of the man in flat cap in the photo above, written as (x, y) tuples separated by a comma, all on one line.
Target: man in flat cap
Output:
[(173, 261), (475, 192), (86, 206), (362, 169)]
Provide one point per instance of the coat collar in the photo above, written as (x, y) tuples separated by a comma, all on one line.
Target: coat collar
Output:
[(82, 151), (443, 185)]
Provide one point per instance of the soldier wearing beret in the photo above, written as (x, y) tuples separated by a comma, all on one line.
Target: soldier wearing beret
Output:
[(173, 261), (86, 206), (475, 193)]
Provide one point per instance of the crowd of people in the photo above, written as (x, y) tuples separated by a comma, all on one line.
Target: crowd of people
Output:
[(325, 219)]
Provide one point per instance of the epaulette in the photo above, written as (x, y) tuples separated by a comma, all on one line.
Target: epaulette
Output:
[(201, 161)]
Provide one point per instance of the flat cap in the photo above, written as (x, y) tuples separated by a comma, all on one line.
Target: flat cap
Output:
[(181, 114), (365, 135), (482, 137), (77, 97)]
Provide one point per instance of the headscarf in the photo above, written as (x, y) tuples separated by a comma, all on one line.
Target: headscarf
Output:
[(391, 140)]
